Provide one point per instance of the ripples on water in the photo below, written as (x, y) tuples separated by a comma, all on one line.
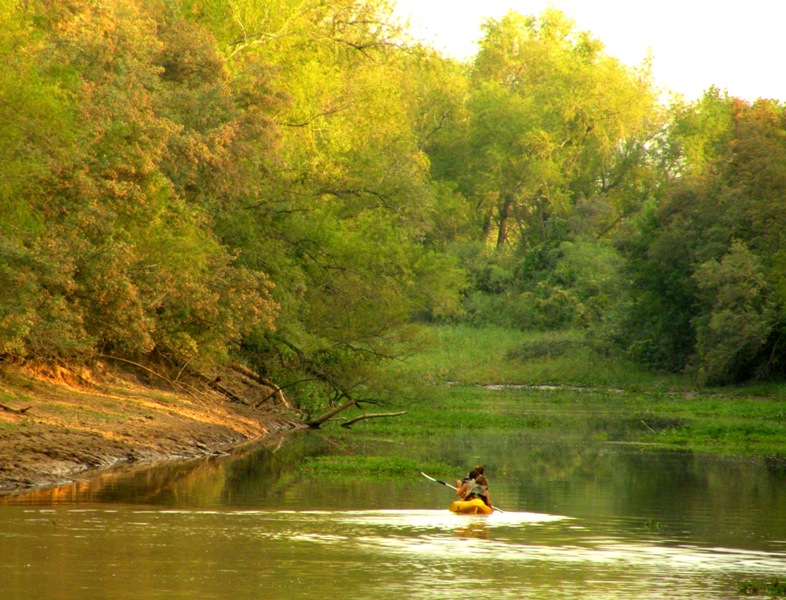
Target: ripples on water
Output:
[(603, 523), (132, 552)]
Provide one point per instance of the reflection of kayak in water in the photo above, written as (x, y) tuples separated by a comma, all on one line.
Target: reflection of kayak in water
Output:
[(476, 506)]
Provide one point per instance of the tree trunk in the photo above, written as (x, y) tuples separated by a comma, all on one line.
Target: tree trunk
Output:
[(315, 423), (504, 217)]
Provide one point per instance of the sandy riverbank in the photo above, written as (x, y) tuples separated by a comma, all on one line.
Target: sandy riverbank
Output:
[(73, 424)]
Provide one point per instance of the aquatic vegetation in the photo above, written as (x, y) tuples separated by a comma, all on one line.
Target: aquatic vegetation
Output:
[(497, 379), (773, 589)]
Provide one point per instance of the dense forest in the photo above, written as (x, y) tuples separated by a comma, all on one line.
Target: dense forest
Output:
[(297, 185)]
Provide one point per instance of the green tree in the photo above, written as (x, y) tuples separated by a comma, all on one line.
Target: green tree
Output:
[(559, 153), (705, 261), (123, 258), (734, 327), (342, 215), (36, 126), (554, 119)]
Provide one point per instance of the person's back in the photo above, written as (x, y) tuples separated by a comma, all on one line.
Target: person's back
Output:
[(478, 488), (463, 487)]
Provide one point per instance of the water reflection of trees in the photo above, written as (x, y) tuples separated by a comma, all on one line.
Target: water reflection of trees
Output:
[(549, 471), (570, 471), (681, 492), (257, 471)]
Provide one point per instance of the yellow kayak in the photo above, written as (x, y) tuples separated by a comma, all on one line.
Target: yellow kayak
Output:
[(476, 506)]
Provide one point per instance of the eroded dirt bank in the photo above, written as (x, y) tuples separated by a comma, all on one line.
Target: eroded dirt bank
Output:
[(58, 426)]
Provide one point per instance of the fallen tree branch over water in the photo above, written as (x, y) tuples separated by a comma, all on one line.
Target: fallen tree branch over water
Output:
[(315, 423), (351, 422)]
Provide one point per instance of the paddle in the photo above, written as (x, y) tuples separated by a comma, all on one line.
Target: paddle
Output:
[(451, 487), (437, 481)]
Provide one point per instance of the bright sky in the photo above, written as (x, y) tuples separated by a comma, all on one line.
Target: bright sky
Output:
[(736, 46)]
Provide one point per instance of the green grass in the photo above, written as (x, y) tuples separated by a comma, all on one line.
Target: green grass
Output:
[(10, 398), (493, 355), (556, 382)]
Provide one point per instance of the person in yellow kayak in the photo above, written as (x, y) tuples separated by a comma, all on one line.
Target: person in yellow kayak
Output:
[(474, 486), (478, 470)]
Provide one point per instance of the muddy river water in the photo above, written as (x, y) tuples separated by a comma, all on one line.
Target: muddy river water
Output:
[(580, 521)]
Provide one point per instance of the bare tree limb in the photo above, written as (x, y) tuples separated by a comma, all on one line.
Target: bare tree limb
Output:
[(228, 393), (326, 113), (16, 411), (315, 423), (277, 392), (144, 368), (351, 422)]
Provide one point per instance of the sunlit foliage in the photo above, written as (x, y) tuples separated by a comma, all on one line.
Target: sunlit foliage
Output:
[(295, 184)]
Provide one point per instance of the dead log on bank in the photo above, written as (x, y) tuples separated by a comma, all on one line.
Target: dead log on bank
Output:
[(351, 422), (232, 396), (16, 411), (276, 392)]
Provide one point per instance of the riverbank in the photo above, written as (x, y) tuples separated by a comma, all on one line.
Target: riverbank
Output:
[(538, 383), (66, 425), (58, 426)]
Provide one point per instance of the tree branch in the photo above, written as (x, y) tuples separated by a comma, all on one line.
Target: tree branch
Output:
[(349, 423), (16, 411), (277, 392), (326, 113), (144, 368), (315, 423)]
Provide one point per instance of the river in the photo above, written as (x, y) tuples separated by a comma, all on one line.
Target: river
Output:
[(580, 520)]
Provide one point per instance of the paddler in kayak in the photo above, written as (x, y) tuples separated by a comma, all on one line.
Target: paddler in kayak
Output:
[(473, 496), (474, 486), (480, 489), (478, 470), (461, 484)]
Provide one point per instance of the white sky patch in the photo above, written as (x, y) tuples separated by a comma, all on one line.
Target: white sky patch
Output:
[(736, 46)]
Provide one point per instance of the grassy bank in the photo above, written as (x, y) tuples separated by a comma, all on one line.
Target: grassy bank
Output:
[(552, 383)]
